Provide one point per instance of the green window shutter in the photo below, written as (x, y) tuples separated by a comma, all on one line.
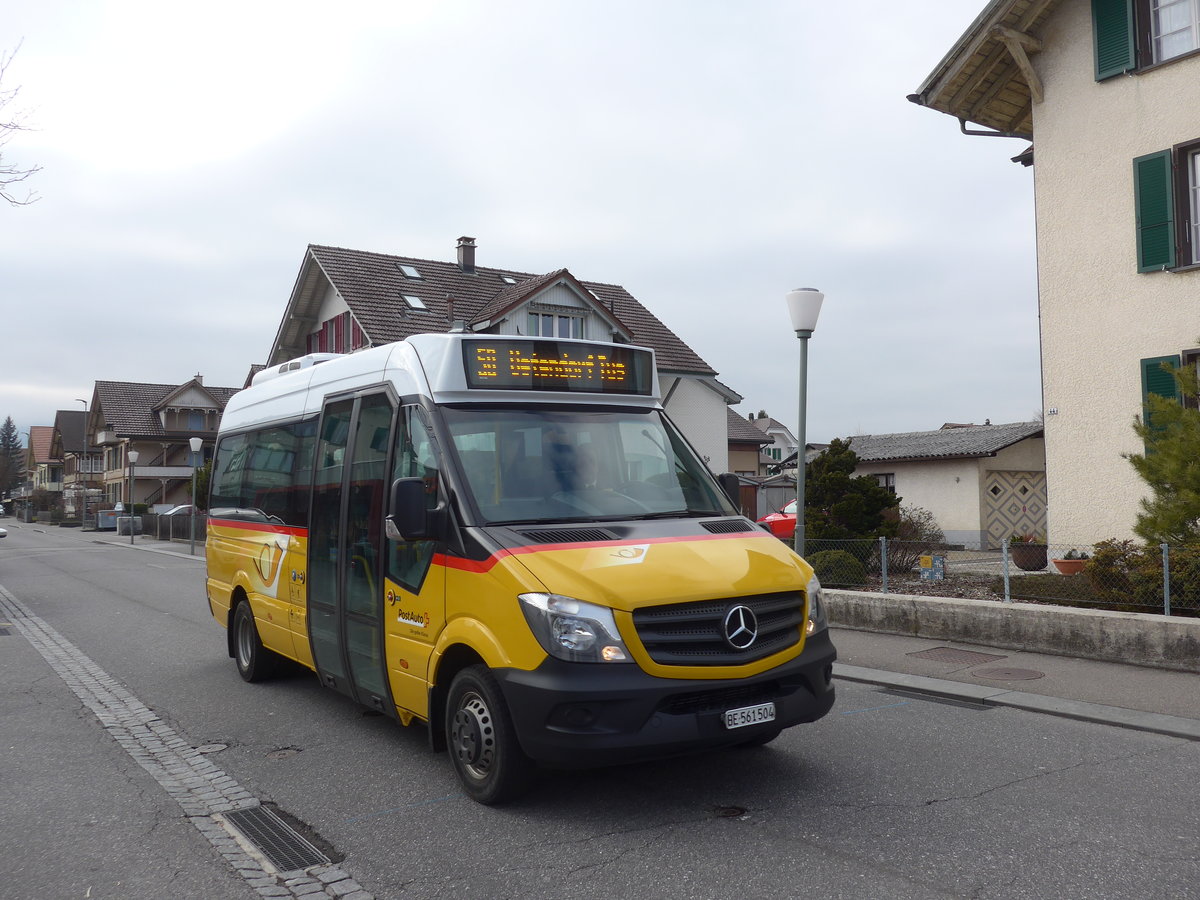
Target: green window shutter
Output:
[(1154, 202), (1113, 37), (1159, 381)]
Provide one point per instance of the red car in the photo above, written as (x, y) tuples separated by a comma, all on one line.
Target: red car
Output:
[(782, 523)]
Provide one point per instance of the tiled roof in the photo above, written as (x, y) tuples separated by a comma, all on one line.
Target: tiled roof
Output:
[(372, 284), (69, 424), (742, 430), (946, 443), (41, 438), (129, 406)]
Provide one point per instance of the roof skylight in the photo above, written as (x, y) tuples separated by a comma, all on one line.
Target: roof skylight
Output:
[(414, 302), (508, 279), (408, 271)]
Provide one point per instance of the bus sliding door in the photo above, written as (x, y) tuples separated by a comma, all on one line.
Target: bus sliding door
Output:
[(345, 590)]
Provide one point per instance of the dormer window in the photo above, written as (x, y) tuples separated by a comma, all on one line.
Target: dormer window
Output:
[(555, 325), (408, 271)]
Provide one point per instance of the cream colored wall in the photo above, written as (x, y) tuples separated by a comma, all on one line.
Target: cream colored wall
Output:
[(1099, 317), (949, 489), (699, 412)]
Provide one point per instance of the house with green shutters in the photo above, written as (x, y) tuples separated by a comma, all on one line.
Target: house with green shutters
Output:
[(1104, 96)]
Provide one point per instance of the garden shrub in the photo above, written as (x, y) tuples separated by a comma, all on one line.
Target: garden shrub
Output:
[(837, 568)]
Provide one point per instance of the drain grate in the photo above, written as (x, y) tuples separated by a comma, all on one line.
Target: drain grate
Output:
[(281, 844), (1005, 674), (960, 657)]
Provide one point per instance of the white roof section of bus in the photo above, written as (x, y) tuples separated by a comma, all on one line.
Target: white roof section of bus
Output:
[(428, 365)]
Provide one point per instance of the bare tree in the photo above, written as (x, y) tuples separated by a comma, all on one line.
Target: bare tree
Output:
[(12, 121)]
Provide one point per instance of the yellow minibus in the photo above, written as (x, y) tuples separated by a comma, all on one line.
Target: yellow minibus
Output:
[(507, 539)]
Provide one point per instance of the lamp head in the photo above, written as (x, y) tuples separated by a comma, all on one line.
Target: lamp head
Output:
[(196, 443), (804, 306), (133, 457)]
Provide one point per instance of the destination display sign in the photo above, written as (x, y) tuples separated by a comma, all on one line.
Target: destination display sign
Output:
[(565, 366)]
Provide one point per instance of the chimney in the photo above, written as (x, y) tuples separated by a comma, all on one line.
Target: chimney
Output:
[(466, 254)]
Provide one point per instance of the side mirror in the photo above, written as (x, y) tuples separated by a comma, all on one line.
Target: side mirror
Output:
[(732, 488), (407, 519)]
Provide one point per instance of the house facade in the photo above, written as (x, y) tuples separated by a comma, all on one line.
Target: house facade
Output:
[(746, 444), (158, 421), (1108, 91), (347, 300), (43, 471), (782, 442), (982, 483)]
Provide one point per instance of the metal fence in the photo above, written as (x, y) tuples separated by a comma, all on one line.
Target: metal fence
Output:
[(1115, 575)]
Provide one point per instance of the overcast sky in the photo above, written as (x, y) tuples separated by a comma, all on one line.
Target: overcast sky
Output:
[(706, 156)]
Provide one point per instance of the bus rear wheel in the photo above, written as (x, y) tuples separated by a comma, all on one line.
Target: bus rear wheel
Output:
[(254, 661), (483, 745)]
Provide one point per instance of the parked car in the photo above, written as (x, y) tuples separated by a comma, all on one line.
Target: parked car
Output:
[(184, 510), (3, 532), (782, 523)]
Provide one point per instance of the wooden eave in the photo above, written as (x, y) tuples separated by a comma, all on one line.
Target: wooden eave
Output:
[(987, 78)]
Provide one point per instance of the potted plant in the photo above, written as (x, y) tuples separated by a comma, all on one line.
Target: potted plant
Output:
[(1028, 551), (1072, 563)]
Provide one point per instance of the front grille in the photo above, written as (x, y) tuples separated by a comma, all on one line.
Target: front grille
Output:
[(720, 700), (692, 634)]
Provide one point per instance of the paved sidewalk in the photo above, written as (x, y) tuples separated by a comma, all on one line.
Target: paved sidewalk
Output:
[(1114, 693)]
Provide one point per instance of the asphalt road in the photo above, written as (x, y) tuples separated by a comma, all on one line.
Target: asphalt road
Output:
[(888, 796)]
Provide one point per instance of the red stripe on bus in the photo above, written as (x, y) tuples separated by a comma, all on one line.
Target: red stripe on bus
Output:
[(484, 565), (293, 530)]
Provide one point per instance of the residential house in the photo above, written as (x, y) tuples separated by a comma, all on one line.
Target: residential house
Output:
[(783, 442), (347, 300), (982, 483), (158, 421), (746, 443), (80, 462), (1108, 93), (43, 471)]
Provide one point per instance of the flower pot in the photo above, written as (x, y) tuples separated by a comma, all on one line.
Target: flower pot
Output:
[(1069, 566), (1030, 557)]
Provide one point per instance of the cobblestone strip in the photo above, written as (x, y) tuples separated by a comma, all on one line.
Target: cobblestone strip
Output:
[(199, 787)]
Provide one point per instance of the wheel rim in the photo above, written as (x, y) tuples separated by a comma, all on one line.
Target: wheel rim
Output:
[(473, 737), (245, 642)]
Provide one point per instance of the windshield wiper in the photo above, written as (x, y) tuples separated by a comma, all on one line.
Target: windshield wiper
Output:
[(680, 514)]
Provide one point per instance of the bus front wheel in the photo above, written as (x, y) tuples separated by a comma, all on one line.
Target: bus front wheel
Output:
[(254, 661), (483, 746)]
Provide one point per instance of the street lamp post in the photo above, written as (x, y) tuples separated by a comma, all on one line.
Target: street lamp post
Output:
[(804, 306), (196, 443), (133, 458), (83, 514)]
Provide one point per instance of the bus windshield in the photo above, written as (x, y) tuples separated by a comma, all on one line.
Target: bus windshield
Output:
[(539, 465)]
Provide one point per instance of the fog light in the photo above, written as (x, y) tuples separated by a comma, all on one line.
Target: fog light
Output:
[(613, 654)]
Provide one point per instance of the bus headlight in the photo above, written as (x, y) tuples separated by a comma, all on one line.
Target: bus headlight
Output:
[(572, 629), (816, 607)]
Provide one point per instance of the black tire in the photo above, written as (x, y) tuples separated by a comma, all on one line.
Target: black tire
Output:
[(762, 738), (254, 661), (489, 762)]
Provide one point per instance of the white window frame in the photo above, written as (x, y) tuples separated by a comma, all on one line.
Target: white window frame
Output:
[(1190, 8), (547, 324)]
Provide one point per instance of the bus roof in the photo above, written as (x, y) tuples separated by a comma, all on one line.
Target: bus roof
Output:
[(454, 368)]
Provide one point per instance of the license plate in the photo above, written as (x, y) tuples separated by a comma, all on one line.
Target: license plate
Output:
[(750, 715)]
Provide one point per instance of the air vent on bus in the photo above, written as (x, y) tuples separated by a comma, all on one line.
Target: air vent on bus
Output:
[(567, 535), (727, 526), (292, 365)]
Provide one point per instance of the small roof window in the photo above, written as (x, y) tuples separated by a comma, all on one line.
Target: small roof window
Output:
[(508, 279), (413, 302), (408, 271)]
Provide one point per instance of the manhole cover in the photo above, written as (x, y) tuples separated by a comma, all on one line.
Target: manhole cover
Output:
[(959, 657), (1005, 674)]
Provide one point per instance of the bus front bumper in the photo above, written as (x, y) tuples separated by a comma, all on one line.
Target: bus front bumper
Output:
[(572, 715)]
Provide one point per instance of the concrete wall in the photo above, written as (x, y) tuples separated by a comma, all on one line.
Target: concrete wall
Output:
[(1099, 316), (1166, 642)]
